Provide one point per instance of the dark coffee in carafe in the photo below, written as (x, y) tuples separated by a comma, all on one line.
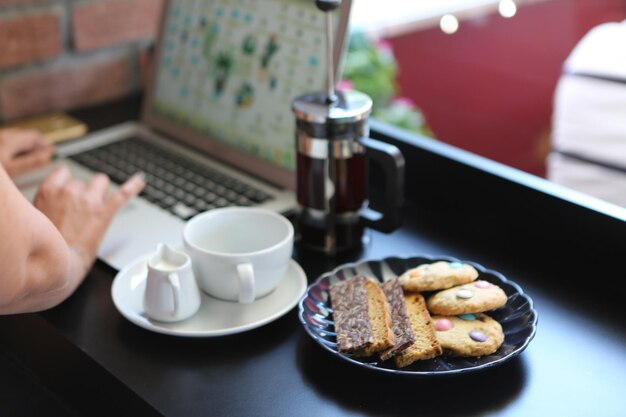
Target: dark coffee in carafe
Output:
[(333, 155)]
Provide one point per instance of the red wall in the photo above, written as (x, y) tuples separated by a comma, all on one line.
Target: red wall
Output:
[(488, 88)]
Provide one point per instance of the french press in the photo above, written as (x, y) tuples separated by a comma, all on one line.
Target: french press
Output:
[(332, 165)]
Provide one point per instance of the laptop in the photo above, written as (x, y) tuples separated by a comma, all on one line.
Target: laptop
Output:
[(216, 127)]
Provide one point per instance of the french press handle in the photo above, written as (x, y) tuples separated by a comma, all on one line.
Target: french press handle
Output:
[(391, 161)]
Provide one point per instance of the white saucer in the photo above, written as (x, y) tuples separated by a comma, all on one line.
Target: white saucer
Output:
[(215, 317)]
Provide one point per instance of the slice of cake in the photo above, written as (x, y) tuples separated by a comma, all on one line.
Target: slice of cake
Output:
[(352, 323), (362, 317), (426, 345), (380, 316), (400, 322)]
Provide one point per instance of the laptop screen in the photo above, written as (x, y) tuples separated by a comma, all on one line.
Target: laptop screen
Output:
[(227, 71)]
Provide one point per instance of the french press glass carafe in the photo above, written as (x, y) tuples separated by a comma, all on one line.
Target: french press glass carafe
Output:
[(332, 166)]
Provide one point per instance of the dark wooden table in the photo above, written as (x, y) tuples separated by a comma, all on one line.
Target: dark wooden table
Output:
[(84, 358)]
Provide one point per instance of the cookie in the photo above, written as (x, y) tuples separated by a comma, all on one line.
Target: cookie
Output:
[(437, 276), (468, 334), (379, 313), (476, 297), (400, 323), (426, 345), (352, 324)]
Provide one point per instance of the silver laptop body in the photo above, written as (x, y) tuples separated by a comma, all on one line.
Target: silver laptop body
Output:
[(142, 224)]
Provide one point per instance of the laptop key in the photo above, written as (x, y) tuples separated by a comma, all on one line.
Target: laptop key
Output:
[(179, 194), (153, 192), (221, 202), (167, 202), (168, 188), (201, 205), (255, 196), (210, 197), (183, 211), (189, 186), (199, 192), (189, 199), (242, 201)]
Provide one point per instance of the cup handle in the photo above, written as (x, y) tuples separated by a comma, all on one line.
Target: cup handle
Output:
[(246, 283), (175, 284), (392, 162)]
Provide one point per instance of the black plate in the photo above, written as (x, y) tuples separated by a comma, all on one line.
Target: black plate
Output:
[(518, 317)]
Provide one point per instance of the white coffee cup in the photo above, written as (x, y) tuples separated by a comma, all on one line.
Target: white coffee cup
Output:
[(239, 253), (172, 292)]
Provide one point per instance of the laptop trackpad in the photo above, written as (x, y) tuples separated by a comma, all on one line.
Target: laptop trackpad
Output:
[(136, 231)]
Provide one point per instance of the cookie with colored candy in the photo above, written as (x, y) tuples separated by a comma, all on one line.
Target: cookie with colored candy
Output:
[(475, 297), (437, 276), (468, 334)]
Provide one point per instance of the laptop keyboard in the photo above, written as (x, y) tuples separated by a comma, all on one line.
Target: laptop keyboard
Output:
[(179, 185)]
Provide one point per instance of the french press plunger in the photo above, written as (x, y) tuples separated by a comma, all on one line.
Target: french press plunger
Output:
[(332, 165)]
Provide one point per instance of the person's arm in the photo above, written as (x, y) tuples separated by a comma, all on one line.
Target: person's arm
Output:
[(47, 249)]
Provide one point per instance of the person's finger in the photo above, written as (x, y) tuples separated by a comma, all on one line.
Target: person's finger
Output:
[(18, 140), (30, 161), (57, 179), (98, 185), (126, 191)]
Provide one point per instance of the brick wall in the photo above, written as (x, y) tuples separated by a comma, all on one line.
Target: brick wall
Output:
[(66, 54)]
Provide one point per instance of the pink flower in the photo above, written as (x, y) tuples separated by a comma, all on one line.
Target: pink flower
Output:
[(384, 45), (345, 85), (403, 102)]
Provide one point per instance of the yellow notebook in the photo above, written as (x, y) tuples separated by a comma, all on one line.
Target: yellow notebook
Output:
[(56, 127)]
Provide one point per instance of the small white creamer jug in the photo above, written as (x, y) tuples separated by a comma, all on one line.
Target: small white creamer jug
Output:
[(172, 292)]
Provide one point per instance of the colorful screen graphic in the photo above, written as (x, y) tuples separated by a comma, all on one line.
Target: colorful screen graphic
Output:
[(231, 68)]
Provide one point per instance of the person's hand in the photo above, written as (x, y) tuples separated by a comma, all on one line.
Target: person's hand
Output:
[(83, 211), (23, 150)]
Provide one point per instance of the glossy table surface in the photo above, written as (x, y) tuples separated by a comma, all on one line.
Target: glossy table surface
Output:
[(84, 358)]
